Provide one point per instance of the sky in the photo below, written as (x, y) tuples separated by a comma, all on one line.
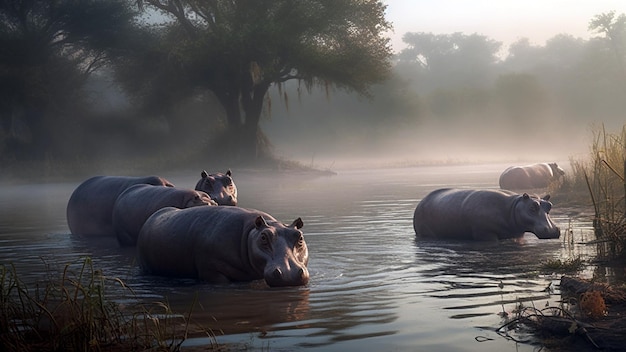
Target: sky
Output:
[(503, 20)]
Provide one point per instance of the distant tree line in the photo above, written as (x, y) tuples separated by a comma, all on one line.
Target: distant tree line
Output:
[(179, 78)]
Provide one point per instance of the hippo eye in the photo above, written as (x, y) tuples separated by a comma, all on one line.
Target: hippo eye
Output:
[(534, 207), (227, 181), (299, 241), (264, 239)]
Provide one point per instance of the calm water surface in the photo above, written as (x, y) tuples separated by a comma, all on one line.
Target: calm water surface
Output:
[(373, 285)]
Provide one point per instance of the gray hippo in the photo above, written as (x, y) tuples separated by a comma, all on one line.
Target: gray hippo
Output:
[(483, 215), (530, 176), (135, 205), (223, 244), (90, 208), (220, 187)]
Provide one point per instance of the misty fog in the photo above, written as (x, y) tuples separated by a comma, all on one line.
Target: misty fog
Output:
[(459, 102), (451, 98)]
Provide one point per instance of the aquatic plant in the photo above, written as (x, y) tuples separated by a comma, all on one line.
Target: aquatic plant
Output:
[(76, 313), (570, 265), (603, 177)]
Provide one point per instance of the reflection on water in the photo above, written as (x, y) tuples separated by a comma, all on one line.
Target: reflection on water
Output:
[(373, 285)]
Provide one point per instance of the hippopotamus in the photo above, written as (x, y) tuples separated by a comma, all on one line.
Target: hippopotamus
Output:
[(530, 176), (90, 208), (483, 215), (135, 205), (220, 187), (223, 244)]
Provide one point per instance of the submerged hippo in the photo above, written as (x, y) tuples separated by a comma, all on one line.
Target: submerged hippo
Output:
[(530, 176), (220, 187), (90, 208), (135, 205), (223, 244), (483, 215)]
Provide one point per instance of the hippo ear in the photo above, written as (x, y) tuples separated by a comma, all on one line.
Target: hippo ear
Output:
[(228, 173), (260, 222), (525, 196), (546, 197), (204, 174), (298, 224)]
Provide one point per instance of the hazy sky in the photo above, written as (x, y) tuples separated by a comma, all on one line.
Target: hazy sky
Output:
[(503, 20)]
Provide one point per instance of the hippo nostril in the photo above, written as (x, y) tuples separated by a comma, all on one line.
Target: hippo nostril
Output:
[(277, 273)]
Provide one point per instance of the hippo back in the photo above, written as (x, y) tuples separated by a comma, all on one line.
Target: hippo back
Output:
[(482, 215), (220, 187), (222, 244), (133, 207), (530, 176), (90, 207)]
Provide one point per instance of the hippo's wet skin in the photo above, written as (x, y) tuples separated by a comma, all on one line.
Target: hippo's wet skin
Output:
[(223, 244), (135, 205), (482, 215), (530, 176), (220, 187), (90, 207)]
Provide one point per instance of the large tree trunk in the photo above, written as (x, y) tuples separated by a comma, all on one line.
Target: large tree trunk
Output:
[(253, 146), (244, 140)]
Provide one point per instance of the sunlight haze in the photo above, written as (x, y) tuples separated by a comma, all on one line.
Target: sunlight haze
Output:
[(504, 21)]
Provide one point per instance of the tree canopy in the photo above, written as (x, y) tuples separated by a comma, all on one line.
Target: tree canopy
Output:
[(48, 50), (239, 49)]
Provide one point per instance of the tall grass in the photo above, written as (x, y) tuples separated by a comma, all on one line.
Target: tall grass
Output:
[(603, 176), (74, 312)]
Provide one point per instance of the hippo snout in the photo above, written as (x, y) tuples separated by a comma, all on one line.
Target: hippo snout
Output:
[(549, 233), (278, 278)]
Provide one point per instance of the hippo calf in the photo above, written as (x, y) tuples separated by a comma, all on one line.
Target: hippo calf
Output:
[(530, 176), (483, 215), (220, 187), (135, 205), (223, 244), (90, 207)]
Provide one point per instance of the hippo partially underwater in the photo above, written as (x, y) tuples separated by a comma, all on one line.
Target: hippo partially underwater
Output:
[(483, 215), (135, 205), (90, 207), (223, 244), (220, 187), (530, 176)]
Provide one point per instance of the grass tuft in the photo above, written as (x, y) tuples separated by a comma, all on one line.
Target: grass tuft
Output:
[(75, 312)]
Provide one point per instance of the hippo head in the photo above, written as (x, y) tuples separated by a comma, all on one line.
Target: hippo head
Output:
[(197, 198), (279, 252), (532, 214), (220, 187), (556, 170)]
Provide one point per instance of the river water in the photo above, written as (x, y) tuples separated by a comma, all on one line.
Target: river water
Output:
[(373, 285)]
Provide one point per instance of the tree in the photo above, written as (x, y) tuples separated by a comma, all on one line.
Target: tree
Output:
[(239, 49), (48, 50), (614, 28), (447, 60)]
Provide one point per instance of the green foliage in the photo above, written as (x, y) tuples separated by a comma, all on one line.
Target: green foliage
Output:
[(604, 178), (445, 61), (49, 48), (76, 313), (238, 49), (567, 266)]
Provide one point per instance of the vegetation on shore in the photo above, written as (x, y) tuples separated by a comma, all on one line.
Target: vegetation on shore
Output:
[(592, 313), (77, 312), (603, 177)]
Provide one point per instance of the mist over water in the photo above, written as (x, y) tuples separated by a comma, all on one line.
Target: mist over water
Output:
[(374, 285)]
